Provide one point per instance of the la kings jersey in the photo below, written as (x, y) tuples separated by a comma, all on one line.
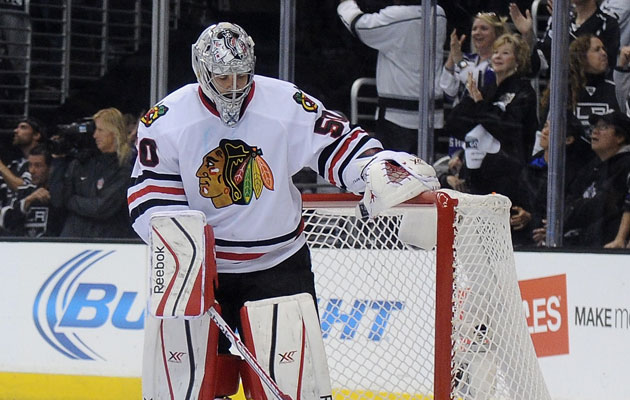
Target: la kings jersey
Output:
[(240, 176)]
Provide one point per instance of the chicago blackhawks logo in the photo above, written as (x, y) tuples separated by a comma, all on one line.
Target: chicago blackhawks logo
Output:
[(227, 47), (233, 173), (306, 103), (153, 114)]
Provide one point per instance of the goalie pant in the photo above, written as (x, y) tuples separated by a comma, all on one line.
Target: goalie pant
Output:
[(186, 365)]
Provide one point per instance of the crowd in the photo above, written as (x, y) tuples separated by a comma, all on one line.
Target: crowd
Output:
[(72, 184), (500, 130), (485, 107)]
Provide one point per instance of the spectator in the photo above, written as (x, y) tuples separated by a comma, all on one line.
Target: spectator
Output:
[(585, 18), (530, 205), (95, 187), (396, 32), (596, 197), (27, 134), (485, 29), (31, 212), (590, 91), (497, 122)]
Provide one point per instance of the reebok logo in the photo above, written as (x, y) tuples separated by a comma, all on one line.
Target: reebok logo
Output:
[(545, 304), (158, 269)]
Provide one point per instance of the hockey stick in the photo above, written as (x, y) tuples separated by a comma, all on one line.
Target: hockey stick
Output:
[(247, 355)]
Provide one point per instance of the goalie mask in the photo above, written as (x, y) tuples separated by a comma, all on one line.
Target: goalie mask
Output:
[(223, 60)]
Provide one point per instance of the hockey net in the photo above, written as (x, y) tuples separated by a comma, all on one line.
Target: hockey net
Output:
[(401, 322)]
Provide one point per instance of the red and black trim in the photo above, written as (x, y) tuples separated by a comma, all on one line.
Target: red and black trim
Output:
[(337, 153), (170, 184), (221, 244), (266, 242)]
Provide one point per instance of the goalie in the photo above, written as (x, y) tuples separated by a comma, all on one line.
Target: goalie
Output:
[(226, 148)]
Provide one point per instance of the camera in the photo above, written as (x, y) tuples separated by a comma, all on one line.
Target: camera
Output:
[(74, 138)]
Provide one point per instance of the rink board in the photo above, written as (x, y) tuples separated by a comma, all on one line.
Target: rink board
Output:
[(75, 313)]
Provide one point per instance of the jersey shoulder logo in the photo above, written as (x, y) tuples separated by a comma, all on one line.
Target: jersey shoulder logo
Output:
[(233, 173), (306, 103), (153, 114)]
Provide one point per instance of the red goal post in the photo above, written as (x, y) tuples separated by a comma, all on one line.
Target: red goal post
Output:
[(440, 318)]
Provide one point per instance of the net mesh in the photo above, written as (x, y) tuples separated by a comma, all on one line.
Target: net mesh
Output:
[(377, 305)]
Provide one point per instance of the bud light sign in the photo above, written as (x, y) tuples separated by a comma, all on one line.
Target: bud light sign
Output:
[(74, 300)]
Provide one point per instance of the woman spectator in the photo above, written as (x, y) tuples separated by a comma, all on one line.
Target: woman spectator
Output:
[(497, 122), (485, 29), (590, 91), (585, 17), (95, 188)]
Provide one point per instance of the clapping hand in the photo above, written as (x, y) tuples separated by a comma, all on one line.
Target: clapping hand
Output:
[(523, 23), (456, 46), (473, 90)]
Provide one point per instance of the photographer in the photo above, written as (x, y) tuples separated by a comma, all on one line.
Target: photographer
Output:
[(95, 186)]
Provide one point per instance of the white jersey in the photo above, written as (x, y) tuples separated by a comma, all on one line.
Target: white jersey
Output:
[(241, 176), (396, 32)]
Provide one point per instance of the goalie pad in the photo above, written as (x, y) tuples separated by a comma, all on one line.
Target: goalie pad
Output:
[(183, 268), (285, 336), (180, 361), (176, 354), (391, 178)]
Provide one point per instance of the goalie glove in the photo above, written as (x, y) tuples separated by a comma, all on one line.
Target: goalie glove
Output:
[(392, 178)]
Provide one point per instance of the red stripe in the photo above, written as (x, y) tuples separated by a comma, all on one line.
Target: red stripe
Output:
[(160, 309), (254, 381), (340, 154), (238, 256), (154, 189), (166, 370), (300, 377)]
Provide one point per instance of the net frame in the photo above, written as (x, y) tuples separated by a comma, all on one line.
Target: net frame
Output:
[(454, 341)]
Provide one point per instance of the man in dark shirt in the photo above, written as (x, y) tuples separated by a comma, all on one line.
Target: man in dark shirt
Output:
[(30, 212)]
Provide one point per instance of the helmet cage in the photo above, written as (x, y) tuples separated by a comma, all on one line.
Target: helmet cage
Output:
[(224, 49)]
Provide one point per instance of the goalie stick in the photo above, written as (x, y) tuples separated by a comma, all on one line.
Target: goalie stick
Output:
[(247, 355)]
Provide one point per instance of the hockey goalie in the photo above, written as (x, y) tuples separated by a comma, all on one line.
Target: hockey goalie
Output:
[(213, 196)]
